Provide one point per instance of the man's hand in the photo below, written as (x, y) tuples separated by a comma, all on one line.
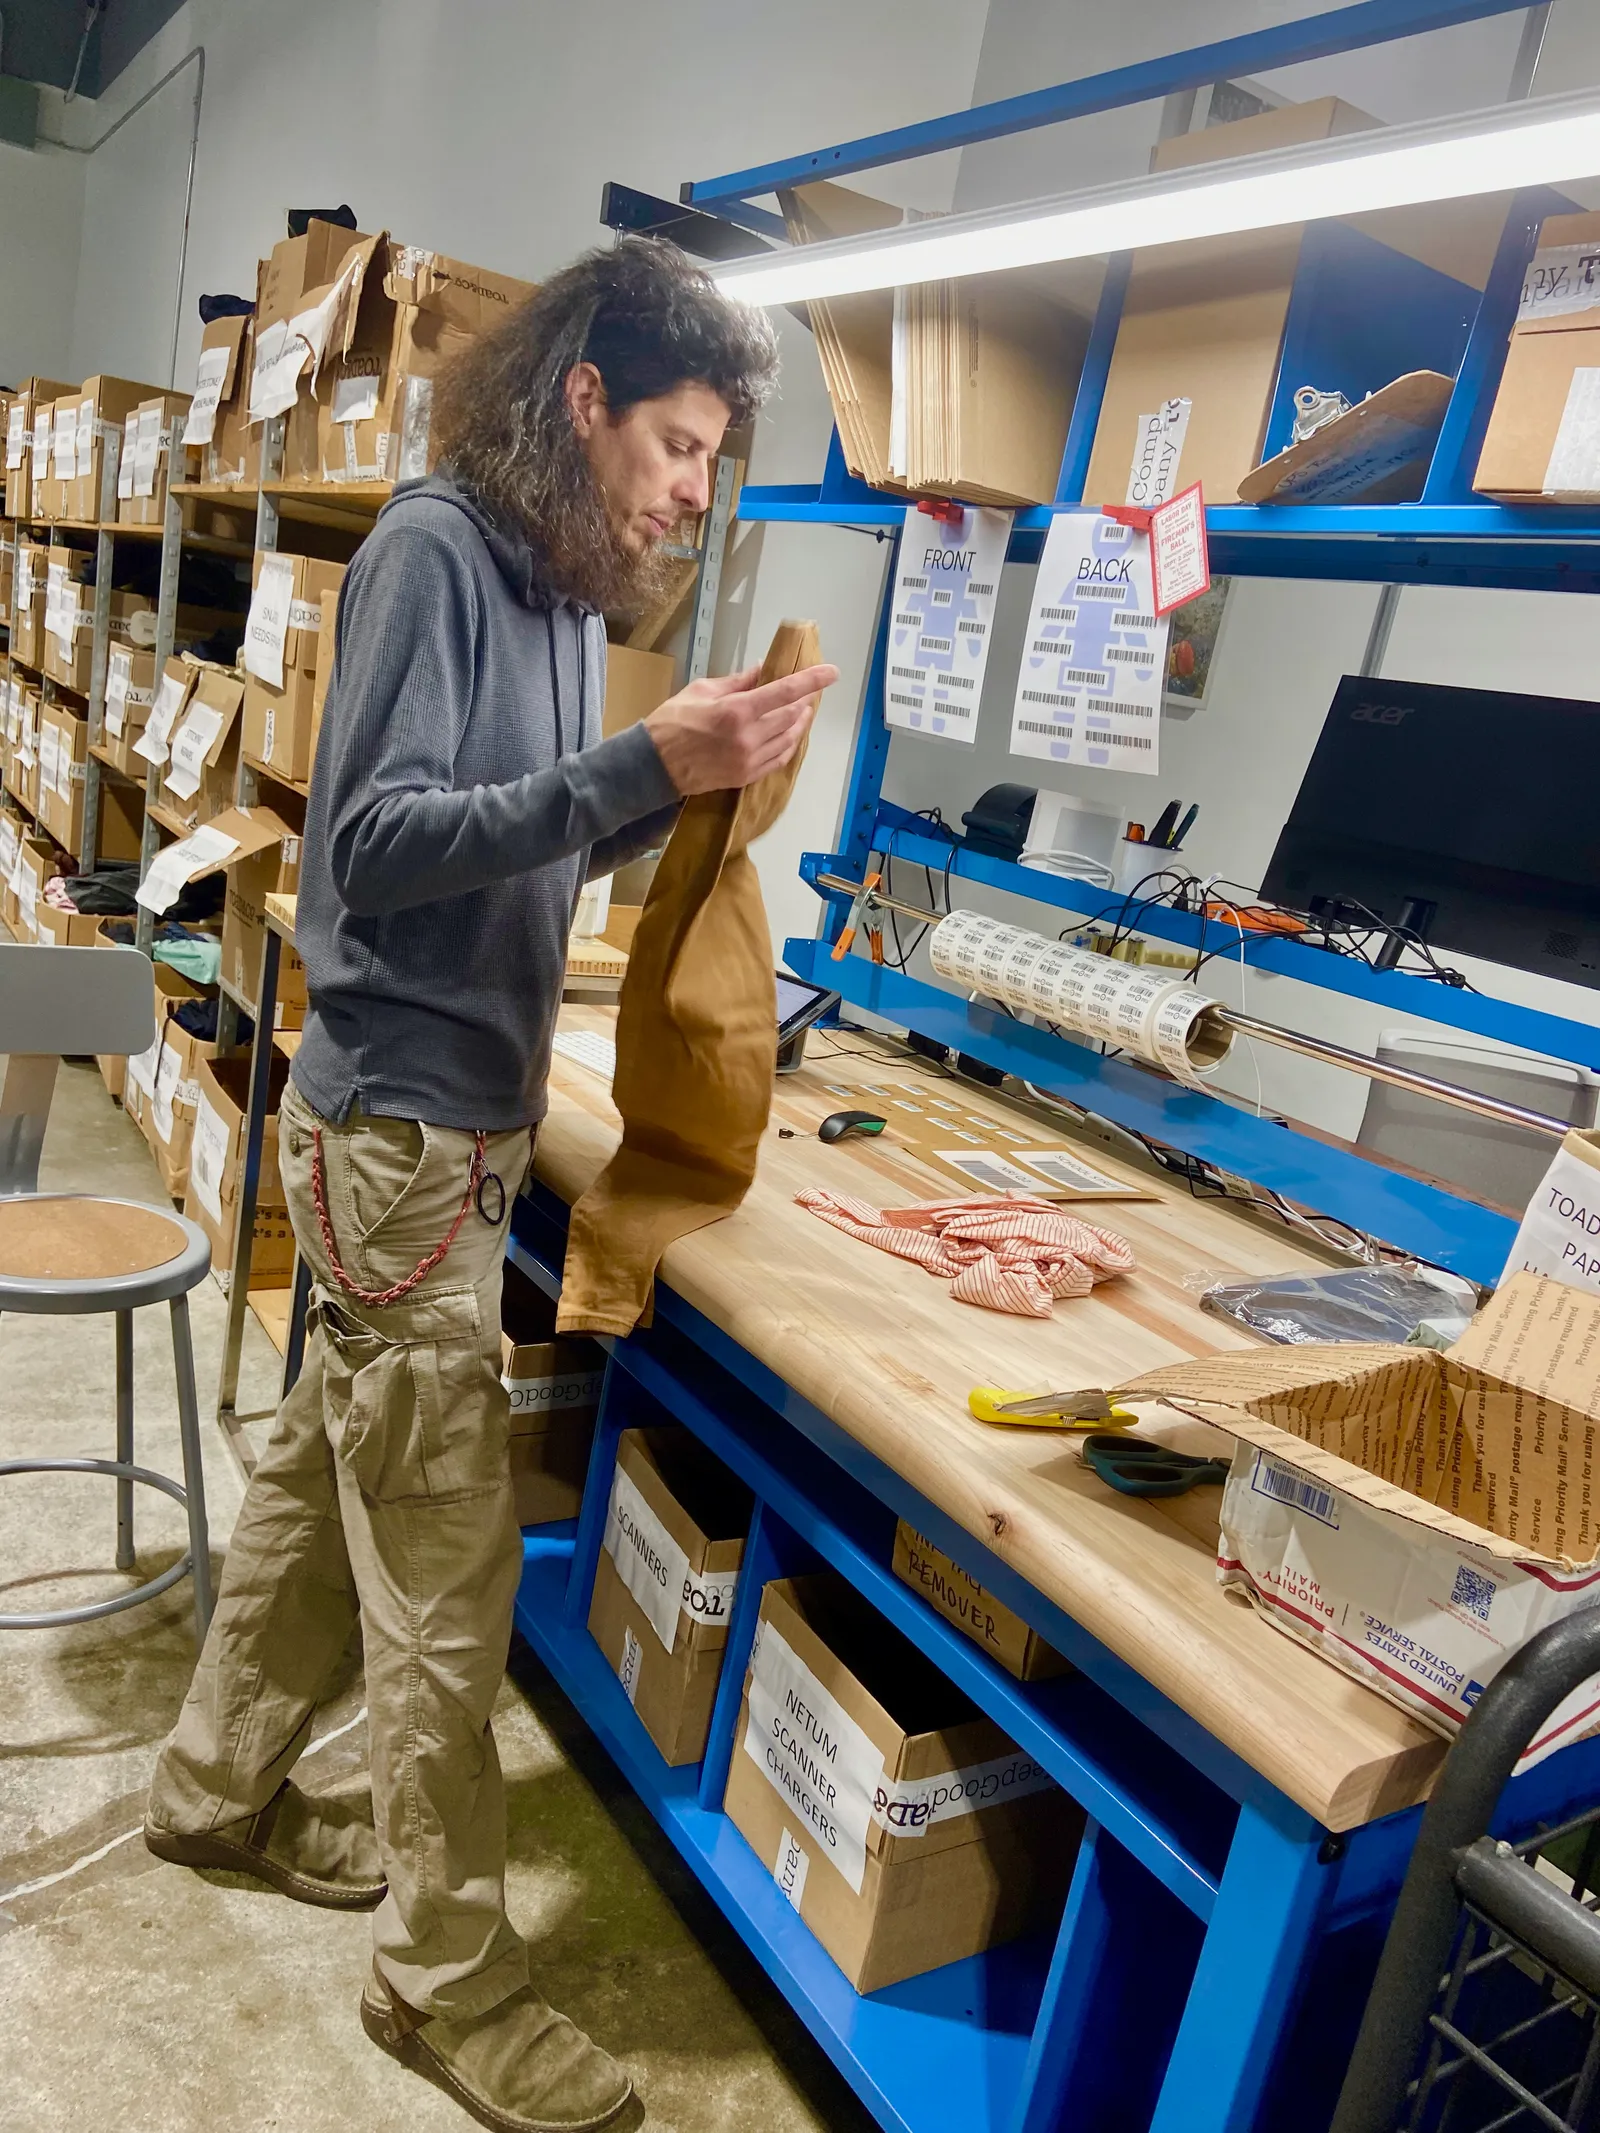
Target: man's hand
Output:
[(727, 732)]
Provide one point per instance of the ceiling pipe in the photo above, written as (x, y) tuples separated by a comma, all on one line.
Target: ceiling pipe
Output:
[(196, 58)]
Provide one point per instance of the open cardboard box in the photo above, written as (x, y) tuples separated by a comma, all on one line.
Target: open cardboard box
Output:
[(1413, 1516), (1541, 445), (955, 1594), (902, 1824), (665, 1582), (554, 1388)]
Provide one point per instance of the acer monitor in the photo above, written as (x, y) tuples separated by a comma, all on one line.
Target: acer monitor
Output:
[(1478, 803)]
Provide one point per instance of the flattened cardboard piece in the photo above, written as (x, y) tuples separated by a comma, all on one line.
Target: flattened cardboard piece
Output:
[(1376, 453)]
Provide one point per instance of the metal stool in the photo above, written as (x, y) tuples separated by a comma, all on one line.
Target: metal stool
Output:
[(70, 1254)]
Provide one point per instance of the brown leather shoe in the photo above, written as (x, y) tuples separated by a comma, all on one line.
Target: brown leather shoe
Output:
[(317, 1851), (519, 2066)]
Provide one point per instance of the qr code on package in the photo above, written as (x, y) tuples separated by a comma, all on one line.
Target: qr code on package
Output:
[(1473, 1591)]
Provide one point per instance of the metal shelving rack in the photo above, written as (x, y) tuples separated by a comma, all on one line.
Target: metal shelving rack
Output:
[(1449, 537)]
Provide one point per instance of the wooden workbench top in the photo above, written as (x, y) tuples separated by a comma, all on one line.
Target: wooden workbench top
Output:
[(880, 1346)]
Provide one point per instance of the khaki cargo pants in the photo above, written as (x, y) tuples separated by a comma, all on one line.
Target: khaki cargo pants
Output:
[(384, 1494)]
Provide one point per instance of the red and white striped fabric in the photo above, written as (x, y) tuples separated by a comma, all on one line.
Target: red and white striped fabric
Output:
[(1006, 1251)]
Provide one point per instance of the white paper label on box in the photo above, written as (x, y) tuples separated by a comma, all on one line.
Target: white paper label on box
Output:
[(190, 746), (415, 425), (628, 1671), (130, 444), (1157, 451), (83, 454), (119, 678), (146, 451), (1095, 657), (152, 743), (207, 1155), (812, 1752), (942, 622), (209, 373), (1560, 1233), (42, 430), (49, 744), (170, 869), (917, 1804), (1426, 1620), (269, 744), (16, 435), (25, 586), (268, 624), (64, 445), (355, 399), (280, 358), (1561, 279), (791, 1866), (304, 615), (649, 1561), (60, 604), (1574, 468), (142, 1065), (169, 1069)]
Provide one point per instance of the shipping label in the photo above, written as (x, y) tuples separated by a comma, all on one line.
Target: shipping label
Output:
[(812, 1753), (942, 620), (1095, 657), (208, 1156)]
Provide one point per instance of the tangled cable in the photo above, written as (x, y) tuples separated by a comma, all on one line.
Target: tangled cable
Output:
[(1006, 1251)]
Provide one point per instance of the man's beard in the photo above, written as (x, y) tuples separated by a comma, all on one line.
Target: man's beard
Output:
[(579, 551)]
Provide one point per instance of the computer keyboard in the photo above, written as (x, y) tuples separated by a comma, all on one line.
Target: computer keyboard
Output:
[(585, 1049)]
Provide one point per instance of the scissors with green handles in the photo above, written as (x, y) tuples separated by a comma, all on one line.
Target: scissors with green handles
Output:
[(1135, 1466)]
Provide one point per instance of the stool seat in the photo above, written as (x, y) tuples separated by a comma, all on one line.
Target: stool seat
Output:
[(59, 1250)]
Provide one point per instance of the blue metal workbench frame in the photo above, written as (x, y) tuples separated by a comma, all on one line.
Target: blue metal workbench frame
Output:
[(1217, 1942), (1213, 1956)]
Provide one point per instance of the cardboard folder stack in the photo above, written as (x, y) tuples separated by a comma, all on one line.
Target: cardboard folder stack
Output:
[(948, 388)]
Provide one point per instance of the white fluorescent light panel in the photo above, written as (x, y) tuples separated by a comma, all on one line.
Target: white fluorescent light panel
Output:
[(1553, 141)]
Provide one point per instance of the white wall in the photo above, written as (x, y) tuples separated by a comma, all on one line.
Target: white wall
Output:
[(486, 131), (41, 216)]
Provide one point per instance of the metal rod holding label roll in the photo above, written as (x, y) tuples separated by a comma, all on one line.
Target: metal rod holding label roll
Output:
[(1289, 1040)]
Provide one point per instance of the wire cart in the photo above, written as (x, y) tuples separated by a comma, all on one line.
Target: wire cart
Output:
[(1485, 2011)]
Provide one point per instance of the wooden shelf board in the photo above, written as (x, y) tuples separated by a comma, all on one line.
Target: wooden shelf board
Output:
[(265, 770), (108, 761), (218, 492)]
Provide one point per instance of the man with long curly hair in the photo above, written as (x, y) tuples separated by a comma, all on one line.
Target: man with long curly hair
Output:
[(462, 794)]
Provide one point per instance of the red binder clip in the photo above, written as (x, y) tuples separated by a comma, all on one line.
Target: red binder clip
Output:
[(1133, 515), (946, 510)]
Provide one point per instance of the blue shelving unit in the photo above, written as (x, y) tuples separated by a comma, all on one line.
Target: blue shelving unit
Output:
[(1216, 1941), (1449, 537)]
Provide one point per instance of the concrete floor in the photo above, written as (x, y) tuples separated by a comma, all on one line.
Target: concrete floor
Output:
[(149, 1999)]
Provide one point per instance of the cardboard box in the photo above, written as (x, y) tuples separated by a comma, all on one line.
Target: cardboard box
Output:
[(68, 634), (266, 863), (89, 485), (216, 1155), (171, 1091), (313, 283), (66, 929), (27, 628), (1541, 444), (130, 691), (218, 425), (33, 867), (280, 659), (20, 420), (664, 1586), (201, 772), (1416, 1517), (63, 766), (903, 1826), (962, 1600), (1204, 322), (281, 640), (375, 411), (554, 1388), (636, 683), (147, 435)]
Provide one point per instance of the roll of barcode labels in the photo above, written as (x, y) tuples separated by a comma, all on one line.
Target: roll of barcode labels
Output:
[(1151, 1013)]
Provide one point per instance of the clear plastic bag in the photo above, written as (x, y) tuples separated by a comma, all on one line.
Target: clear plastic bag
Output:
[(1420, 1305)]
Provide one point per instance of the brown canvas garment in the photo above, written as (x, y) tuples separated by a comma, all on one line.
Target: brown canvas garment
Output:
[(696, 1046)]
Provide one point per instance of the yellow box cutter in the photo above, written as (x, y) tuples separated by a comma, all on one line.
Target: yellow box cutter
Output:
[(1086, 1409)]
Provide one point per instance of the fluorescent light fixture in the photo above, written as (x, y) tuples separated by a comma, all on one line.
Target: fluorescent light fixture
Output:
[(1552, 141)]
